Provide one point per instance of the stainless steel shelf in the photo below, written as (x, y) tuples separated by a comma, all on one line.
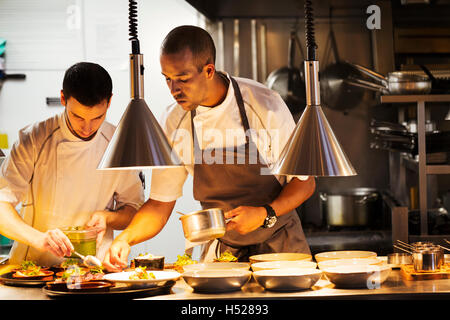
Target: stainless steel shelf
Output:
[(422, 168)]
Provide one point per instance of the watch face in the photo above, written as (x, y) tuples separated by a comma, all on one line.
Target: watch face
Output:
[(271, 222)]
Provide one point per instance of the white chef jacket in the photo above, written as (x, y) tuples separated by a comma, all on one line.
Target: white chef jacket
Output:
[(53, 174), (271, 125)]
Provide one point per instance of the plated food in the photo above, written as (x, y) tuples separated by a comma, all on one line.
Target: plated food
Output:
[(182, 261), (226, 256), (293, 279), (131, 278), (29, 270)]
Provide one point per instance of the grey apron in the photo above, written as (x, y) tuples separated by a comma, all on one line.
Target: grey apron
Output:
[(228, 186)]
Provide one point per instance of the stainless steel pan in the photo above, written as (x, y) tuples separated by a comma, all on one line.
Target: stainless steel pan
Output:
[(289, 81), (398, 82), (204, 225)]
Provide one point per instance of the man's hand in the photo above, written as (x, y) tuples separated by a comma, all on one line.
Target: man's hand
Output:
[(99, 220), (245, 219), (56, 242), (116, 257)]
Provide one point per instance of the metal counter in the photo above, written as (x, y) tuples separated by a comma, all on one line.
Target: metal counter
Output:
[(395, 287)]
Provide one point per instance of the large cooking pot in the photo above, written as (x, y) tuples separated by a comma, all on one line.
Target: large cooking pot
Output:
[(360, 207), (289, 81), (204, 225)]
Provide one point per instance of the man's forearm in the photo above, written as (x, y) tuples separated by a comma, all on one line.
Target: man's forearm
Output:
[(13, 227), (293, 195), (121, 218), (147, 222)]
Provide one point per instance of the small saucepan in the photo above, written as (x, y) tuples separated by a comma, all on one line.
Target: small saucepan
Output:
[(203, 225)]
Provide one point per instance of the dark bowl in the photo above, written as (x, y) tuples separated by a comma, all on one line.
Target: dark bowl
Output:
[(153, 263)]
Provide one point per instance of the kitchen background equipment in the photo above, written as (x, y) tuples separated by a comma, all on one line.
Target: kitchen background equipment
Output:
[(397, 82), (358, 207), (425, 257), (289, 81), (203, 225)]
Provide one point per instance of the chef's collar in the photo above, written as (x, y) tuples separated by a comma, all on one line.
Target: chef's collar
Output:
[(223, 104), (68, 134)]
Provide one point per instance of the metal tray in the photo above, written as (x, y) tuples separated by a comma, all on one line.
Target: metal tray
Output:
[(119, 291), (9, 280)]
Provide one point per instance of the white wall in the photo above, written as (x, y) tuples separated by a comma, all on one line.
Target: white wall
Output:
[(98, 32)]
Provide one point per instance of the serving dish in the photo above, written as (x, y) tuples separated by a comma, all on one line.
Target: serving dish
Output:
[(118, 291), (8, 279), (369, 276), (214, 281), (124, 277), (217, 266), (280, 257), (294, 279), (349, 262), (270, 265), (151, 262), (350, 254)]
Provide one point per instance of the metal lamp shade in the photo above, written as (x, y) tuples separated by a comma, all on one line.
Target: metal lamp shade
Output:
[(312, 149), (138, 142)]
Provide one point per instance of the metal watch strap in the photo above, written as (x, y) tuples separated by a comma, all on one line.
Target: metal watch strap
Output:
[(271, 215)]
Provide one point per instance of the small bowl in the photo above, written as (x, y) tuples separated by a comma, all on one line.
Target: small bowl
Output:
[(151, 262), (270, 265), (349, 262), (333, 255), (293, 279), (216, 281), (369, 276), (217, 266), (280, 257)]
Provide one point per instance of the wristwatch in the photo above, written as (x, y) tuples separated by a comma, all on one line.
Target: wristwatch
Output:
[(271, 218)]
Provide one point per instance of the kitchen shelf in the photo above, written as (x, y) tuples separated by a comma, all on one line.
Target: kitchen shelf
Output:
[(421, 166), (430, 168), (415, 98)]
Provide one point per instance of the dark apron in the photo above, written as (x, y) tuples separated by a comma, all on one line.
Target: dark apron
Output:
[(227, 186)]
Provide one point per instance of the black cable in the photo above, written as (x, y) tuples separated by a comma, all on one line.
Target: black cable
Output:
[(133, 33), (311, 45)]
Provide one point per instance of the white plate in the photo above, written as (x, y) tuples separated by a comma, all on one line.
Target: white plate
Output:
[(284, 256), (369, 276), (215, 281), (124, 277), (217, 266), (349, 262), (350, 254), (293, 279), (269, 265)]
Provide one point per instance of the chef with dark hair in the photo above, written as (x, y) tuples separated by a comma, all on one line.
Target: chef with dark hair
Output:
[(52, 172), (227, 131)]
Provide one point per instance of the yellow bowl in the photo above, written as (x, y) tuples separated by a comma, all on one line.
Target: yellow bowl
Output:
[(280, 257)]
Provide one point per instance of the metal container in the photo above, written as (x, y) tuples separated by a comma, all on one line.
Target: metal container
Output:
[(399, 258), (429, 259), (355, 207), (204, 225)]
